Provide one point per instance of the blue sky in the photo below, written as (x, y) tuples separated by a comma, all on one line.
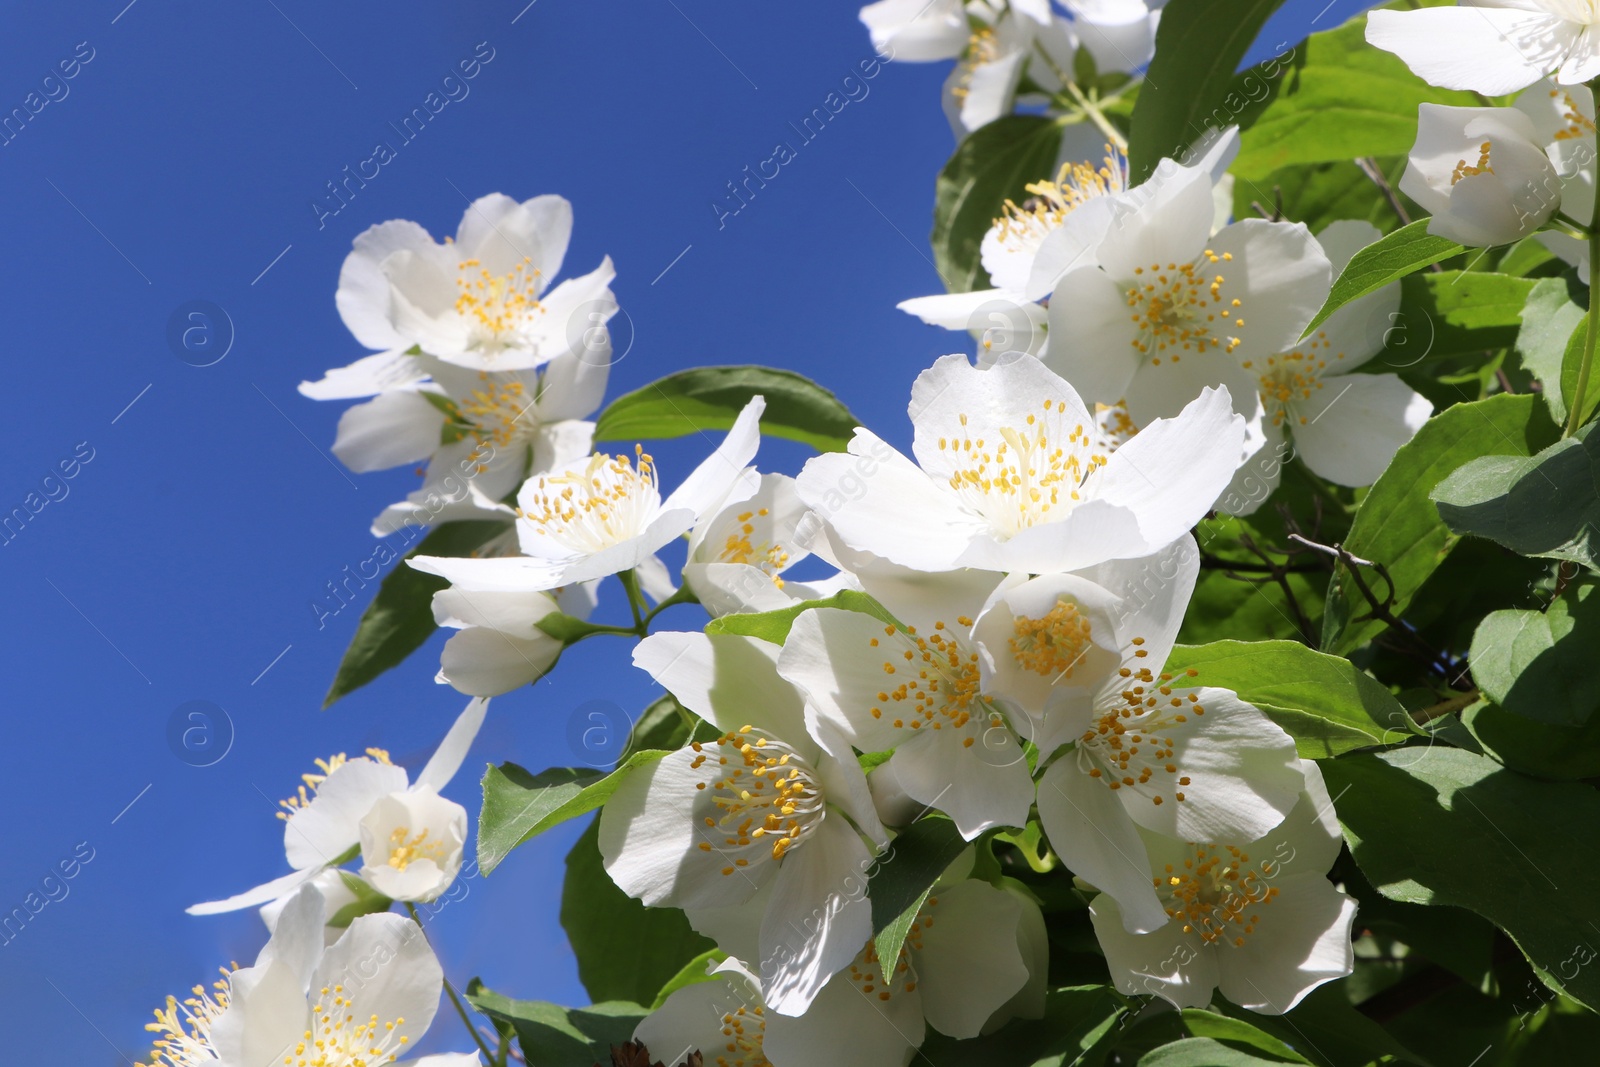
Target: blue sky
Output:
[(181, 162)]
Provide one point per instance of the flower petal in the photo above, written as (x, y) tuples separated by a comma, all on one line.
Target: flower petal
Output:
[(1091, 832), (391, 429), (1489, 50), (387, 969), (447, 758), (317, 834), (969, 963), (818, 917), (1168, 963), (1350, 429)]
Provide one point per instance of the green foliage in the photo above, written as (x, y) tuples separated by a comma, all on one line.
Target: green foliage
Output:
[(1454, 313), (400, 617), (1438, 825), (553, 1036), (1541, 664), (518, 806), (1551, 322), (1189, 82), (1406, 250), (625, 950), (1544, 505), (1339, 99), (1560, 753), (1076, 1024), (1323, 702), (902, 876), (1397, 525), (774, 626), (989, 167), (710, 398)]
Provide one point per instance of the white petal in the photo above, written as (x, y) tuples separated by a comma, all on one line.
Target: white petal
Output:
[(980, 786), (500, 574), (846, 1027), (446, 759), (364, 291), (708, 484), (1091, 338), (1282, 277), (969, 962), (1353, 425), (1153, 593), (417, 817), (367, 376), (1168, 963), (388, 970), (389, 430), (1029, 683), (693, 1018), (501, 233), (991, 90), (297, 939), (266, 1014), (917, 31), (1172, 471), (1488, 50), (1302, 941), (650, 833), (571, 387), (482, 662), (829, 656), (1167, 219), (1091, 832), (729, 680), (1074, 245), (330, 825), (818, 917), (261, 894), (953, 398)]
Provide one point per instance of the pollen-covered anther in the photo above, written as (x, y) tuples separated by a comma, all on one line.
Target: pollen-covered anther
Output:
[(1053, 644), (768, 802)]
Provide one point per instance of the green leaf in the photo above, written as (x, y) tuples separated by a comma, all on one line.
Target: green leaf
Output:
[(905, 872), (1398, 526), (625, 950), (368, 901), (1199, 46), (694, 972), (1206, 1052), (1550, 321), (1559, 753), (1441, 825), (1328, 1030), (774, 626), (1076, 1020), (1541, 664), (1319, 193), (710, 398), (994, 164), (400, 617), (1408, 249), (892, 938), (518, 806), (1323, 702), (1452, 313), (553, 1036), (1545, 505), (1339, 99), (1235, 1032)]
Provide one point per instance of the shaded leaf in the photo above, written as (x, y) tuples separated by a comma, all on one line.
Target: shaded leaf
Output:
[(1392, 257), (710, 398), (1076, 1020), (553, 1036), (1541, 664), (1550, 320)]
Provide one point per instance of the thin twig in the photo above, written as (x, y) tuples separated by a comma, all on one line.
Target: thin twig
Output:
[(1374, 173), (1447, 707)]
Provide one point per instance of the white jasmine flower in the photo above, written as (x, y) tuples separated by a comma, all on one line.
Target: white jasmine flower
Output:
[(770, 801), (411, 844), (481, 301), (365, 999), (1481, 173), (1012, 478), (323, 824), (1153, 750), (1257, 919), (1166, 309), (1345, 427), (604, 514), (1493, 47)]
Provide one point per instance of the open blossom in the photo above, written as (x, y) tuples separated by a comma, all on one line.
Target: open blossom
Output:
[(1493, 47), (1166, 308), (364, 999), (769, 802), (1481, 173), (326, 824), (1257, 919), (604, 514), (1345, 427), (916, 688), (1011, 475), (481, 433), (482, 300), (1150, 749), (975, 957), (737, 557)]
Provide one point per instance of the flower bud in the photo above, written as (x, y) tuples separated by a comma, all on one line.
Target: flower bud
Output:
[(1481, 173)]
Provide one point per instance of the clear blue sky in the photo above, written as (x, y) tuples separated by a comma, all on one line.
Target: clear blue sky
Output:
[(181, 164)]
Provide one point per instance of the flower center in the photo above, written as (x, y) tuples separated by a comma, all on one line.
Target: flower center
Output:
[(1578, 124), (501, 411), (1291, 377), (185, 1027), (1176, 310), (982, 47), (405, 850), (1217, 893), (769, 557), (1052, 201), (336, 1039), (1465, 170), (1054, 644), (605, 503), (498, 307), (312, 781), (1113, 425), (866, 971), (1125, 748), (768, 791), (1017, 481), (939, 683), (745, 1029)]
